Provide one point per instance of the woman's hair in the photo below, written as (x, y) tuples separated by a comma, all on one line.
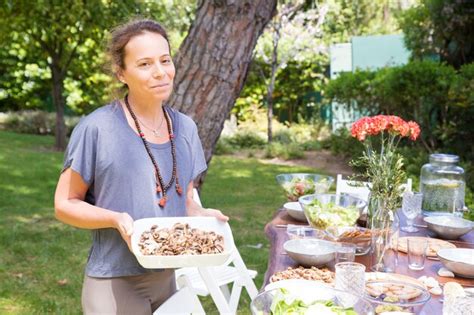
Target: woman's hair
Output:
[(122, 34)]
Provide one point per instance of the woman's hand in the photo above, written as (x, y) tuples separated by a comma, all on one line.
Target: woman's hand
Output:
[(208, 212), (124, 224)]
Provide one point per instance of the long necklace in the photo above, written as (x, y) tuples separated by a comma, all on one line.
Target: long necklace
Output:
[(155, 131), (160, 186)]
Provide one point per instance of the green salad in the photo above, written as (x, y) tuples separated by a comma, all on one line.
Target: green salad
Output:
[(285, 303), (323, 216), (298, 187)]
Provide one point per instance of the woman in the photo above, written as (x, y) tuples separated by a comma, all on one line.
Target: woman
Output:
[(134, 158)]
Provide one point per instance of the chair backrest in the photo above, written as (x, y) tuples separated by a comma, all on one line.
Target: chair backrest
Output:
[(196, 197), (356, 188), (361, 189)]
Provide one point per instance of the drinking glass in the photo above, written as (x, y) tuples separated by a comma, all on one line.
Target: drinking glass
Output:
[(411, 208), (345, 252), (350, 277), (459, 305), (416, 253)]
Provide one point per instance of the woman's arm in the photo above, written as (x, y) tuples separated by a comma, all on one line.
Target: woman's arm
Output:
[(71, 208), (193, 209)]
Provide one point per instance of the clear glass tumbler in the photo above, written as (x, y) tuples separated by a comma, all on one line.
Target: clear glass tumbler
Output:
[(350, 277), (411, 208), (345, 252), (416, 253)]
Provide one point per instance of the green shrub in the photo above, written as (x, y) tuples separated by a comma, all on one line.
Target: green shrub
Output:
[(286, 152), (247, 139), (223, 146), (35, 122), (312, 145), (341, 143), (283, 136)]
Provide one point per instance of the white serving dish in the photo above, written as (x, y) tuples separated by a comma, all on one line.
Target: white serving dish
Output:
[(179, 261), (295, 211), (448, 227), (310, 252), (458, 260)]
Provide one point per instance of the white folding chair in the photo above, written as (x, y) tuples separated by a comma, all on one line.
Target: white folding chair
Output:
[(182, 302), (357, 189), (215, 281), (361, 189)]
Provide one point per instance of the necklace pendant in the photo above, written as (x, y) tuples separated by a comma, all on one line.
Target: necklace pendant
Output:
[(162, 202), (156, 133), (179, 190)]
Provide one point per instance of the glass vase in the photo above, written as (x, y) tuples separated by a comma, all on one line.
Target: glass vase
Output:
[(384, 224)]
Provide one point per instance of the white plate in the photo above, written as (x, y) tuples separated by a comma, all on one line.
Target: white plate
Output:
[(295, 211), (179, 261)]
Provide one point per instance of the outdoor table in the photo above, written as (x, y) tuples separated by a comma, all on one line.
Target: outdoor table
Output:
[(275, 230)]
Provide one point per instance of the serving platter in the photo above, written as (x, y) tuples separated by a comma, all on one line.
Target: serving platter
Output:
[(208, 224)]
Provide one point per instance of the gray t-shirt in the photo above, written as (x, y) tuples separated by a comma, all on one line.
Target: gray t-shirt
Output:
[(112, 160)]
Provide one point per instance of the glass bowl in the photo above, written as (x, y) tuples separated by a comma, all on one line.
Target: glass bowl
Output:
[(295, 231), (396, 296), (308, 292), (296, 185), (331, 210), (359, 236)]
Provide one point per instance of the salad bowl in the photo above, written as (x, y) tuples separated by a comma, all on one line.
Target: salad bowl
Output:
[(296, 185), (308, 297), (332, 210)]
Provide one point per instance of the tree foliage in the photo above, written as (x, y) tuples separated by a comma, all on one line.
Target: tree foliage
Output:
[(435, 95), (57, 48), (444, 27), (300, 80)]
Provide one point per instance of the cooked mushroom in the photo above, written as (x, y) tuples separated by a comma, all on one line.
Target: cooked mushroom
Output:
[(180, 239)]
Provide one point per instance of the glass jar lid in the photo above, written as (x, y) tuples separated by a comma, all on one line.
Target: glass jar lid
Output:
[(442, 157)]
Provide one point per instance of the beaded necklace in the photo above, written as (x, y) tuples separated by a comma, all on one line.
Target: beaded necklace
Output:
[(160, 186)]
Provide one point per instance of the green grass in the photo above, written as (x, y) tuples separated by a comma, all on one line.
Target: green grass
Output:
[(38, 253)]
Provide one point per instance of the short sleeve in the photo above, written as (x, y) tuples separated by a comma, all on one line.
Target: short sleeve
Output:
[(199, 164), (81, 151)]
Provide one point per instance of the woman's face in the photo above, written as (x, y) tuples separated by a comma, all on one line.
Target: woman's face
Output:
[(149, 70)]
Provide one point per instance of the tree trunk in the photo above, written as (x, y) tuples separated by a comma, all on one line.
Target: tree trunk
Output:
[(271, 86), (213, 62), (58, 100), (270, 89)]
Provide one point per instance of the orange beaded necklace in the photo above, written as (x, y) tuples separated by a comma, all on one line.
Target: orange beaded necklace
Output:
[(161, 188)]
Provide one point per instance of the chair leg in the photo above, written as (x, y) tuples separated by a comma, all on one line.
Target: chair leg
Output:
[(246, 280), (235, 296), (225, 291), (215, 291)]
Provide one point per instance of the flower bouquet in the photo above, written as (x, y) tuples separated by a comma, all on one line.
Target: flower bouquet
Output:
[(383, 168)]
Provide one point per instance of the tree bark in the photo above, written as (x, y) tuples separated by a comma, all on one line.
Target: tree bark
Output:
[(213, 62), (59, 104)]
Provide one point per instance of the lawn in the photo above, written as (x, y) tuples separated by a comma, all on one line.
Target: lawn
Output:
[(42, 260)]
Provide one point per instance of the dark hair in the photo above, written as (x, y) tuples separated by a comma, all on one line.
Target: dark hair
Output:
[(122, 34)]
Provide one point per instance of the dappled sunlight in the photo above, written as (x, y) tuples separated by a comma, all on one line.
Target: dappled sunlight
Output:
[(12, 306)]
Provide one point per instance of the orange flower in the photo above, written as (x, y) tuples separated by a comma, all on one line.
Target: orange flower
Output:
[(414, 130), (372, 126)]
